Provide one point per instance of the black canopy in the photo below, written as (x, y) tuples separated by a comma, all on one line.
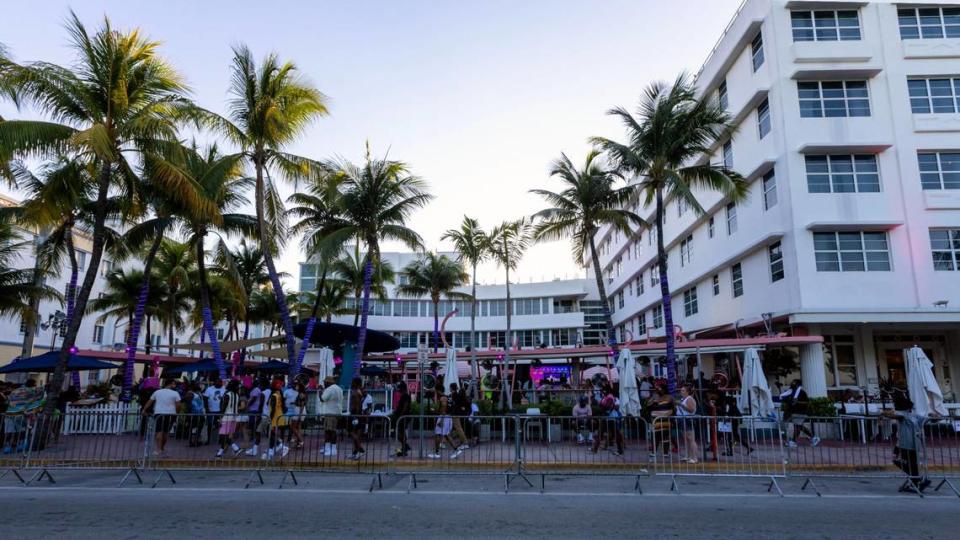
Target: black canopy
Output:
[(336, 334)]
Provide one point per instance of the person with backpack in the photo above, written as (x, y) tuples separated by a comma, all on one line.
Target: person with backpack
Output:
[(794, 403)]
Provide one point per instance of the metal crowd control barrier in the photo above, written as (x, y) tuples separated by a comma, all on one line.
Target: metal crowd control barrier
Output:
[(478, 445), (716, 446), (941, 448), (585, 445), (840, 447), (14, 442)]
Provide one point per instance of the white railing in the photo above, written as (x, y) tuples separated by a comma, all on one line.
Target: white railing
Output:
[(109, 418)]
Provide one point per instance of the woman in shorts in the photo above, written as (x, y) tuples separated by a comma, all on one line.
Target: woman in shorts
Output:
[(230, 408)]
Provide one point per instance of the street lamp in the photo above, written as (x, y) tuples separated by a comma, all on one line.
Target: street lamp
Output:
[(56, 321)]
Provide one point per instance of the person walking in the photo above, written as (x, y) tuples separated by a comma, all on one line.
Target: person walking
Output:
[(909, 443), (444, 427), (164, 404), (795, 405), (460, 408), (729, 424), (331, 407), (357, 420), (278, 421), (612, 430), (211, 400), (256, 407), (402, 409), (230, 409), (197, 417), (686, 410), (295, 398)]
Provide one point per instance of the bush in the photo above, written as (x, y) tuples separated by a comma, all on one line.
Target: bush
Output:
[(821, 406)]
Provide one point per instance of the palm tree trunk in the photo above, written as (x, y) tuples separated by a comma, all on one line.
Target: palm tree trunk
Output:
[(665, 299), (30, 329), (205, 308), (170, 335), (72, 292), (126, 393), (96, 253), (474, 368), (436, 325), (507, 380), (604, 301), (148, 339), (356, 309), (372, 252), (265, 247), (311, 322)]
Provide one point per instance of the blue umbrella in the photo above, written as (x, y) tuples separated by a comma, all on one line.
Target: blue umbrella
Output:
[(47, 363)]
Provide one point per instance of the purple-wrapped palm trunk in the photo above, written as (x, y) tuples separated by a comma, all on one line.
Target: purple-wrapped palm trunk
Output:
[(133, 337), (71, 302), (214, 344)]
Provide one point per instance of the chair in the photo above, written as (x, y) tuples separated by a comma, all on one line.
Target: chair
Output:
[(533, 423)]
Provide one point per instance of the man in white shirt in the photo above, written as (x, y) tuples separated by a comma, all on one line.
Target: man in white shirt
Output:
[(164, 402), (331, 406), (212, 397)]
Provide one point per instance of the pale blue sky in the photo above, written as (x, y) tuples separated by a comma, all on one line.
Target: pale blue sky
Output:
[(478, 97)]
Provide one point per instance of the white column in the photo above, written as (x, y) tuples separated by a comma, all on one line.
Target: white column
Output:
[(812, 370)]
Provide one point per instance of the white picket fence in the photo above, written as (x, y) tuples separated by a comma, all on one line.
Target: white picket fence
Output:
[(103, 418)]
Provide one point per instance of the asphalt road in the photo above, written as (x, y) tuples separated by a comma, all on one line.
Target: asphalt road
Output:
[(218, 510)]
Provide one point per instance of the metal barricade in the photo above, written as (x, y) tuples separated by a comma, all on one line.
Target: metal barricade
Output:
[(15, 432), (49, 448), (840, 447), (486, 445), (587, 445), (716, 446), (941, 452)]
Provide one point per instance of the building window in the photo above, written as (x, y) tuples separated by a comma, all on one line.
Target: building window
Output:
[(219, 334), (658, 316), (728, 154), (690, 302), (939, 170), (640, 284), (842, 174), (736, 280), (527, 306), (722, 94), (929, 22), (654, 275), (81, 259), (822, 25), (109, 266), (620, 300), (938, 96), (642, 324), (763, 118), (756, 48), (23, 326), (833, 99), (710, 227), (98, 333), (716, 284), (841, 363), (682, 206), (769, 184), (776, 262), (731, 218), (686, 250), (945, 244), (851, 251)]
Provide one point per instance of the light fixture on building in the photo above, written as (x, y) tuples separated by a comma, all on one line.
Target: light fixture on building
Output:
[(941, 303)]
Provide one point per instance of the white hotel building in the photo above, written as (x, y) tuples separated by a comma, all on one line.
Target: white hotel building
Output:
[(559, 313), (848, 118)]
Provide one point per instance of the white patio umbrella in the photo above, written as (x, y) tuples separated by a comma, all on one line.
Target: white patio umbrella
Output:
[(755, 397), (921, 383), (629, 394), (450, 371)]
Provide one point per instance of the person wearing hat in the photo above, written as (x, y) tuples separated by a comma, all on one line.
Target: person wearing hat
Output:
[(331, 407)]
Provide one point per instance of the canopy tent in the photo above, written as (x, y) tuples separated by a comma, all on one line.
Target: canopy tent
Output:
[(588, 374), (276, 366), (207, 365), (47, 363), (629, 394), (755, 397), (225, 346), (921, 384), (373, 371), (336, 334), (450, 371)]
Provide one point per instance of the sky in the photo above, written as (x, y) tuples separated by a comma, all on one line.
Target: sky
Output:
[(477, 97)]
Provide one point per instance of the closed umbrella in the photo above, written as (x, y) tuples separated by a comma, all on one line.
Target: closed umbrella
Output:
[(450, 371), (629, 394), (324, 364), (921, 383), (755, 397)]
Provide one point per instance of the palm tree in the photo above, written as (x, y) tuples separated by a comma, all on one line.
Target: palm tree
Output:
[(350, 269), (245, 264), (121, 296), (328, 301), (378, 198), (318, 208), (271, 106), (116, 103), (175, 267), (507, 243), (674, 128), (590, 200), (18, 287), (434, 276), (472, 245)]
